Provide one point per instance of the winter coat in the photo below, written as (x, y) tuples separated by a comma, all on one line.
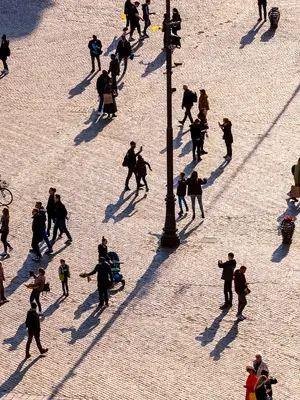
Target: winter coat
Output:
[(239, 282), (177, 18), (102, 81), (123, 49), (250, 384), (60, 211), (42, 213), (131, 158), (297, 174), (4, 49), (134, 15), (194, 186), (228, 268), (33, 321), (260, 367), (95, 47), (50, 205), (114, 67), (4, 224), (203, 102), (227, 135), (127, 7), (181, 187), (103, 270), (64, 272), (197, 131), (38, 226), (187, 100), (261, 393)]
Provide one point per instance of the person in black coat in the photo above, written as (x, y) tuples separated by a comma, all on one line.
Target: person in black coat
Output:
[(146, 17), (187, 103), (114, 70), (123, 51), (38, 226), (269, 382), (141, 172), (181, 192), (260, 388), (102, 81), (34, 329), (103, 272), (127, 10), (197, 135), (195, 191), (176, 18), (61, 215), (102, 250), (131, 162), (95, 47), (227, 275), (262, 5), (135, 20), (4, 53), (227, 136), (110, 105), (50, 209)]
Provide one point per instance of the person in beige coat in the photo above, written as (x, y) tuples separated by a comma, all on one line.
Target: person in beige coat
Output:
[(203, 102)]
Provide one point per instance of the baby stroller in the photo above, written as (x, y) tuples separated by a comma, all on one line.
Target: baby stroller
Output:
[(115, 268)]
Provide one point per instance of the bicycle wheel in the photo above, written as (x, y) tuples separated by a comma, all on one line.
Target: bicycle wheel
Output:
[(6, 197)]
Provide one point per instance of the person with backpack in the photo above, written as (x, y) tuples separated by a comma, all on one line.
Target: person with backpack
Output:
[(34, 329), (95, 47), (141, 172), (181, 192), (37, 287), (123, 51), (4, 53), (188, 100), (61, 215), (4, 230), (227, 276), (64, 275), (195, 191), (102, 81), (130, 163), (227, 137)]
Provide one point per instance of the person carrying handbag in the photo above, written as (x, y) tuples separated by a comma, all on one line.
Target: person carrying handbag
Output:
[(241, 289), (110, 106)]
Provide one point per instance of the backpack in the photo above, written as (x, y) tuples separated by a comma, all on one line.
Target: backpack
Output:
[(125, 161), (46, 287), (194, 97)]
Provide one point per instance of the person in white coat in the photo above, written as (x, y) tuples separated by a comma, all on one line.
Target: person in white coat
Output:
[(259, 365)]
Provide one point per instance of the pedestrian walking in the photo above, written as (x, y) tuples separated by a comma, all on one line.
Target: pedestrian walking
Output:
[(135, 20), (141, 172), (110, 106), (250, 383), (262, 6), (34, 330), (114, 70), (260, 388), (227, 137), (181, 192), (123, 51), (187, 103), (103, 272), (95, 47), (203, 104), (241, 289), (38, 225), (197, 135), (130, 162), (102, 81), (64, 275), (259, 365), (4, 53), (50, 209), (227, 276), (146, 17), (4, 229), (3, 299), (42, 213), (127, 10), (61, 215), (204, 128), (176, 22), (195, 191), (269, 382), (36, 288)]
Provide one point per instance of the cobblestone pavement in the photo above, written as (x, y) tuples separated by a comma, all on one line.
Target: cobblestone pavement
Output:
[(163, 336)]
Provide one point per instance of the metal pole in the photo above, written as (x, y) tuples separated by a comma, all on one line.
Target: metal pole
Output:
[(170, 236)]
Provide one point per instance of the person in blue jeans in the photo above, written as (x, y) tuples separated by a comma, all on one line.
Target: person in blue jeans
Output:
[(181, 192)]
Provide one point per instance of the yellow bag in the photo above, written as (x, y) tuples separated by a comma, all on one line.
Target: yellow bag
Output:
[(252, 396)]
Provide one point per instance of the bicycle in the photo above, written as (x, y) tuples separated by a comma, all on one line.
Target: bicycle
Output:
[(6, 196)]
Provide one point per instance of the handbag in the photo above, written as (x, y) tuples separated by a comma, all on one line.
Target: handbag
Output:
[(247, 291), (252, 396), (295, 191), (108, 98)]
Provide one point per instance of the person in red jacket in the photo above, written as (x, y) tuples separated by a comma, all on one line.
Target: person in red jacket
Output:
[(250, 383), (240, 285)]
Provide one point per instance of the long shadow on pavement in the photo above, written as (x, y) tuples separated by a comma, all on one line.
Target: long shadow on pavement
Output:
[(80, 88), (250, 36), (209, 334), (155, 64), (225, 341), (90, 133)]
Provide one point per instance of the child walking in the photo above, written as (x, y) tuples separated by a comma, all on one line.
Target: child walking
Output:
[(181, 192), (4, 231), (64, 275)]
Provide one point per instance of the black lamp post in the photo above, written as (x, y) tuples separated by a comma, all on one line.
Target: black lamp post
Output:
[(170, 236)]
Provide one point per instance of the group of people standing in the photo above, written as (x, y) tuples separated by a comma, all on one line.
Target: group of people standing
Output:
[(259, 383)]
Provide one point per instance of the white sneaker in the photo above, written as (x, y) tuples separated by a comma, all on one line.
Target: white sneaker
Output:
[(3, 254)]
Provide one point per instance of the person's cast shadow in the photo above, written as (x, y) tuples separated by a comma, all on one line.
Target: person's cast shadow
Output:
[(98, 123), (250, 36), (80, 88), (216, 174), (225, 341), (87, 304), (129, 210), (210, 332), (155, 64), (177, 142)]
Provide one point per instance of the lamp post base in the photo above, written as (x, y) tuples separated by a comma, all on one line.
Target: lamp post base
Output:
[(170, 237), (170, 240)]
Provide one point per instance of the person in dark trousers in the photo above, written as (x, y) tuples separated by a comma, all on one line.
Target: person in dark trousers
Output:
[(37, 287), (127, 10), (204, 128), (227, 276), (4, 230), (4, 53), (61, 215), (269, 382), (123, 51), (195, 191), (227, 137), (38, 225), (146, 17), (102, 250), (262, 5), (102, 81), (131, 162), (42, 213), (181, 192), (135, 20), (197, 135), (110, 105), (203, 104), (104, 271), (141, 172), (260, 388), (176, 18), (114, 70), (240, 285), (64, 275), (34, 330), (95, 47), (163, 29), (187, 103), (50, 209)]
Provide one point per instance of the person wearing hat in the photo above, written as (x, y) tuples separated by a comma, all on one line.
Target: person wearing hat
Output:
[(250, 383), (135, 20), (4, 53), (123, 51)]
